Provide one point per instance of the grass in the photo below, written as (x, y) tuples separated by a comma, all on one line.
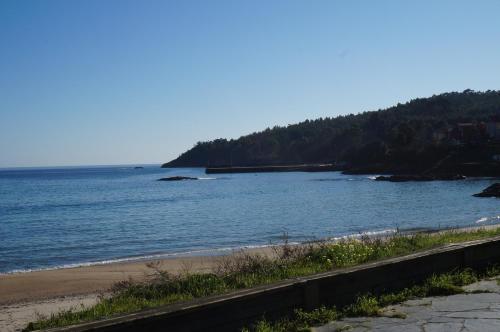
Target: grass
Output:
[(369, 305), (247, 270)]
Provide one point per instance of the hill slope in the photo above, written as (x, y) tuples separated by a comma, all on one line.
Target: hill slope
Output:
[(399, 138)]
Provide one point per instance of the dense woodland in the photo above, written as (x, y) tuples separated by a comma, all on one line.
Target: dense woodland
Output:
[(414, 135)]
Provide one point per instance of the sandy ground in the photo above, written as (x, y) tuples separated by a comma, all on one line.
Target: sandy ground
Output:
[(15, 317), (40, 285), (23, 296)]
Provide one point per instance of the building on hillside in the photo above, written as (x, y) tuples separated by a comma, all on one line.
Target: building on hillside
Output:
[(467, 131), (493, 128), (440, 135)]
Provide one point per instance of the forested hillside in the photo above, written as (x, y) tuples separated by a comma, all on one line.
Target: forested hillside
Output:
[(416, 134)]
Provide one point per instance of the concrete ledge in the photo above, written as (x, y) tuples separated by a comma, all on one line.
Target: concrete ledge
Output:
[(267, 169), (229, 312)]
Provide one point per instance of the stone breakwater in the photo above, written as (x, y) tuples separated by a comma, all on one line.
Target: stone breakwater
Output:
[(266, 169)]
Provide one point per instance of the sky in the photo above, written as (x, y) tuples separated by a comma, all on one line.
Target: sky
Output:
[(101, 82)]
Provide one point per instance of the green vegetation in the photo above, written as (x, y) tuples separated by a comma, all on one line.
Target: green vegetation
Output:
[(369, 305), (404, 138), (247, 270)]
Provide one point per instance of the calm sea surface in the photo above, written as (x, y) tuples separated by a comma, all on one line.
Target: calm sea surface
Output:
[(70, 216)]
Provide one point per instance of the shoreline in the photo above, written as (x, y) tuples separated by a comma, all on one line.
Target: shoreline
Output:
[(225, 251), (216, 252), (25, 295), (50, 283), (94, 278)]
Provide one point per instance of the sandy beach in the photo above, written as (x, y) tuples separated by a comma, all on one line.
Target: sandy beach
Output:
[(24, 296)]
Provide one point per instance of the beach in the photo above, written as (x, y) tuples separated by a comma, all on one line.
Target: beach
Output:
[(25, 295)]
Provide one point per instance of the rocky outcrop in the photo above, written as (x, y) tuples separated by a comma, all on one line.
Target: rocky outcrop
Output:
[(420, 177), (177, 178), (491, 191)]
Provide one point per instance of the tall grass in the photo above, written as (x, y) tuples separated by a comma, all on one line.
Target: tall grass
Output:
[(245, 270)]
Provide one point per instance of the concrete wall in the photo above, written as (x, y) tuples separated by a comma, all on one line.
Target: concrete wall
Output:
[(232, 311)]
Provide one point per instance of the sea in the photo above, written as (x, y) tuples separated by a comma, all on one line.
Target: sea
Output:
[(60, 217)]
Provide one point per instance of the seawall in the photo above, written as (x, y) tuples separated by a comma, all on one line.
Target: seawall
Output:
[(265, 169), (231, 311)]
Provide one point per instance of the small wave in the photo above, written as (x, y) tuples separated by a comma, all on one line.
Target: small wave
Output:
[(373, 177), (95, 263), (373, 234), (207, 178), (191, 253), (483, 219), (493, 219)]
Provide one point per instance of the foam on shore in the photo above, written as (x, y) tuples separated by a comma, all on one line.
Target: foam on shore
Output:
[(160, 256), (493, 219)]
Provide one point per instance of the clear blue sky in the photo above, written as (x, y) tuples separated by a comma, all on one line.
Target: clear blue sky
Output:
[(113, 82)]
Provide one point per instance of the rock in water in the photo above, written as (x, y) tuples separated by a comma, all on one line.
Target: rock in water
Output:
[(177, 178), (491, 191)]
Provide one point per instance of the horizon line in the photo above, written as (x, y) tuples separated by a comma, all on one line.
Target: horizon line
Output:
[(78, 166)]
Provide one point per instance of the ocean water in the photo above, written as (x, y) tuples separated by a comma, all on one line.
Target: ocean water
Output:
[(60, 217)]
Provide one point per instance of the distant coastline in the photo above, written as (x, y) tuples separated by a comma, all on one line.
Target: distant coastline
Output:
[(456, 133)]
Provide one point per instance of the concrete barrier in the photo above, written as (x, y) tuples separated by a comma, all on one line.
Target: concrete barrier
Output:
[(268, 169), (230, 312)]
